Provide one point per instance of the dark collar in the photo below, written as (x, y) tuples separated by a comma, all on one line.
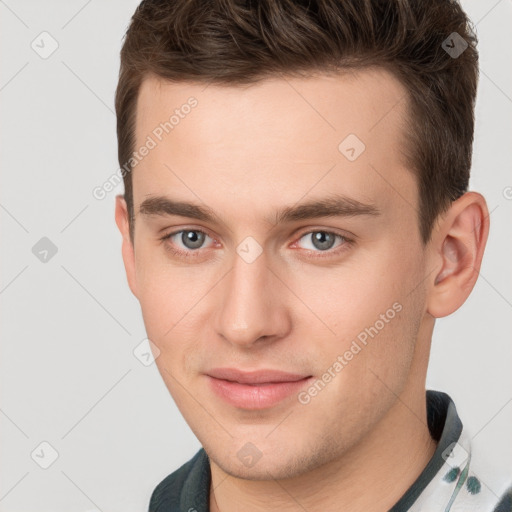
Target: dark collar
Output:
[(445, 428)]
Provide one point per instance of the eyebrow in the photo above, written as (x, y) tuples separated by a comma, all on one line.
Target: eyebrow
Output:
[(163, 206), (331, 206)]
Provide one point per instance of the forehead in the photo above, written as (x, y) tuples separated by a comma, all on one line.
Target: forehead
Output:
[(273, 141)]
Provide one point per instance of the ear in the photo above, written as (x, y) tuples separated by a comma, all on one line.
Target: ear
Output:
[(457, 244), (128, 250)]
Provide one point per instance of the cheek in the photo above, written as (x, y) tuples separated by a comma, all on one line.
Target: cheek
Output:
[(372, 308), (171, 299), (167, 311), (352, 296), (166, 292)]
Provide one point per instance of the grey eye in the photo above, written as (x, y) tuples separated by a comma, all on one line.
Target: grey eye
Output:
[(192, 239), (322, 240)]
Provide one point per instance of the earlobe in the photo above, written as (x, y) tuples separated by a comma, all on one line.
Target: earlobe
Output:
[(458, 247), (128, 252)]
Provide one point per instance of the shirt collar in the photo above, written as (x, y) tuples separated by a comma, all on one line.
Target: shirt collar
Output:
[(445, 428)]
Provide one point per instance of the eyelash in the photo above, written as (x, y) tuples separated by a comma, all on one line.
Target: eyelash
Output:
[(183, 254), (346, 243), (329, 253)]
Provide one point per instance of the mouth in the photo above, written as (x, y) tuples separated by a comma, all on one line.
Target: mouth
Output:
[(255, 390)]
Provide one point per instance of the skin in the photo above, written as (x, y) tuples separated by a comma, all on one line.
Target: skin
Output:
[(246, 153)]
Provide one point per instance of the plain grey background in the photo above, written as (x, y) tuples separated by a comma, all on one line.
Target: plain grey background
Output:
[(70, 325)]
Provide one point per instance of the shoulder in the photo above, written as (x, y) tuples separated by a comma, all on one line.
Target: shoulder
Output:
[(190, 482)]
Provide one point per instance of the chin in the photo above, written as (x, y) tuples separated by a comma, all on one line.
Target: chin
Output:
[(269, 470), (268, 464)]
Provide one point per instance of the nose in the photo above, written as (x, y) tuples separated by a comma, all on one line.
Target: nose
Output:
[(252, 304)]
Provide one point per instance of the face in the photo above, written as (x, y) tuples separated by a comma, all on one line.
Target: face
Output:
[(276, 230)]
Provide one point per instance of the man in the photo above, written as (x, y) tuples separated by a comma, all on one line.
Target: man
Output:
[(295, 218)]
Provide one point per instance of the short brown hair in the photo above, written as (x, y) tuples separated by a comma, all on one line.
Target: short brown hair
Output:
[(234, 42)]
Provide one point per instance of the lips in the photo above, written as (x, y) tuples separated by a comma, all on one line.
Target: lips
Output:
[(255, 377), (258, 389)]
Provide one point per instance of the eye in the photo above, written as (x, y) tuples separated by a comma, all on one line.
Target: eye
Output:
[(321, 241), (187, 240)]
